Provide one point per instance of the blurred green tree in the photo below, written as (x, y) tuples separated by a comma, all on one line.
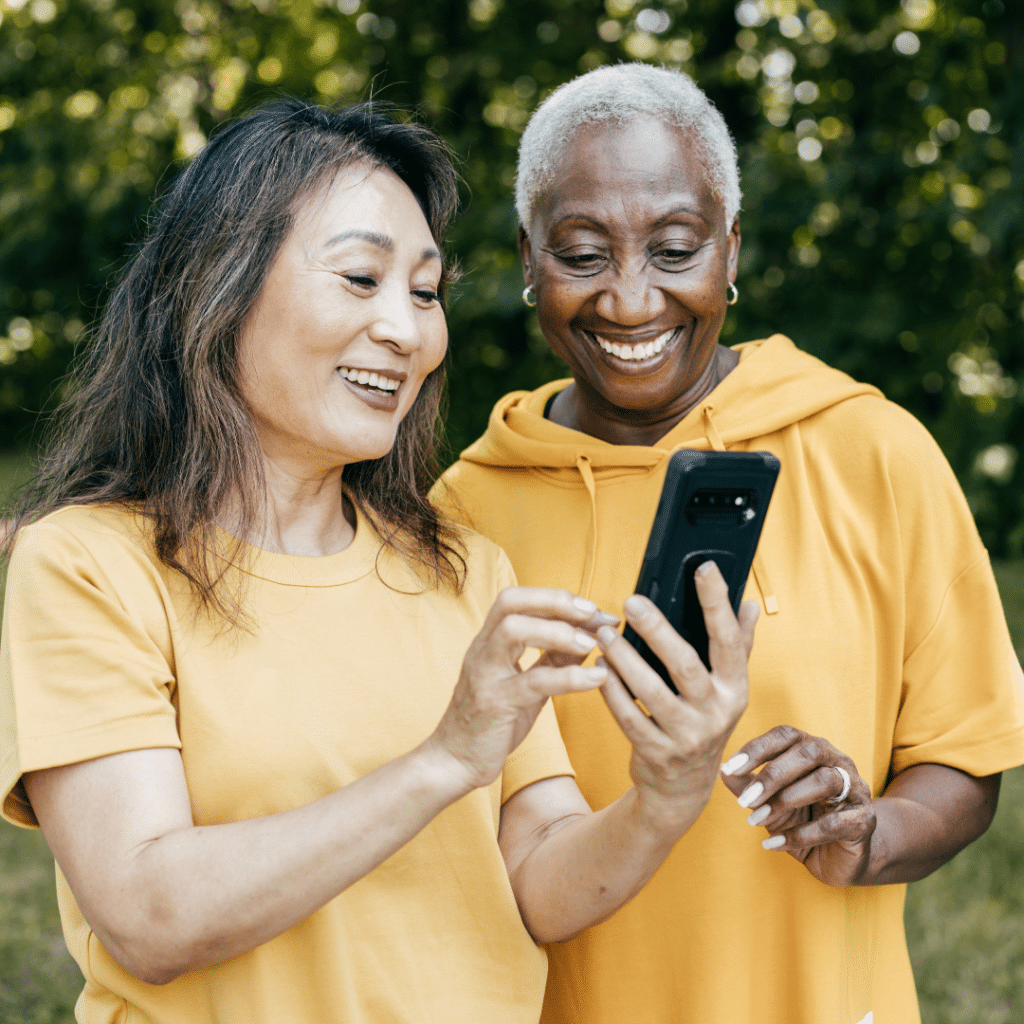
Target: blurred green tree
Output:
[(881, 144)]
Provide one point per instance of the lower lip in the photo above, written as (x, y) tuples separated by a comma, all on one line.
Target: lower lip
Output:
[(386, 401), (640, 365)]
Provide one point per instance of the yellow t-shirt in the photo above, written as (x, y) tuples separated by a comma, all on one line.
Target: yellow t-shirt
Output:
[(102, 652), (881, 631)]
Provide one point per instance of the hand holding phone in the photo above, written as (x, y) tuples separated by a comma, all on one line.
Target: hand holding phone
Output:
[(712, 508)]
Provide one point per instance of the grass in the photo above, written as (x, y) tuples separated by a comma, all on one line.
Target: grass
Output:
[(965, 922)]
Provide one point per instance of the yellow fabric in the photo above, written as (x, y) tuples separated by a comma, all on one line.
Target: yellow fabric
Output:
[(103, 652), (889, 640)]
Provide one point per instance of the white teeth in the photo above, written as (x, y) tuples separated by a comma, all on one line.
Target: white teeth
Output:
[(373, 380), (636, 352)]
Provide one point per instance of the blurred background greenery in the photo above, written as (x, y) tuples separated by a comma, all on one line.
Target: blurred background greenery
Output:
[(882, 149), (881, 145)]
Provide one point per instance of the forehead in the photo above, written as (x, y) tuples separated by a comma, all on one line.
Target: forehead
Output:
[(362, 197), (643, 164)]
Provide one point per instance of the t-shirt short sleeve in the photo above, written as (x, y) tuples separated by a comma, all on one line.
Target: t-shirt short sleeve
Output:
[(540, 756), (87, 661)]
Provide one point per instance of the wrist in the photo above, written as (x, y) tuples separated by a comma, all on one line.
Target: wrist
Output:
[(441, 772), (661, 821)]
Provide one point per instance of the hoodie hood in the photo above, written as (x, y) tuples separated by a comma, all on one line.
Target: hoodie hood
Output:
[(774, 386)]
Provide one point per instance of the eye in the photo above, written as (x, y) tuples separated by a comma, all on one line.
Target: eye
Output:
[(674, 254), (426, 295), (362, 281), (583, 262)]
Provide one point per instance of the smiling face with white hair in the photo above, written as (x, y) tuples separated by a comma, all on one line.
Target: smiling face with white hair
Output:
[(630, 249)]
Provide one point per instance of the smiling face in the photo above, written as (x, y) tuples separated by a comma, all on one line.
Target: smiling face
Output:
[(347, 327), (630, 259)]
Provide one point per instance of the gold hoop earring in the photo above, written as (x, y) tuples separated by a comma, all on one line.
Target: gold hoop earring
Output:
[(734, 294), (528, 294)]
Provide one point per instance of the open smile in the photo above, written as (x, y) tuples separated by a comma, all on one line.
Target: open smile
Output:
[(639, 351), (370, 380)]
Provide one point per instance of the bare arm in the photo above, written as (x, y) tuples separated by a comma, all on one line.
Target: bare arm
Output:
[(571, 869), (166, 897), (927, 814)]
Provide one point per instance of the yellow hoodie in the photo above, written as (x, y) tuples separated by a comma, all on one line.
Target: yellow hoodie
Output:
[(883, 633)]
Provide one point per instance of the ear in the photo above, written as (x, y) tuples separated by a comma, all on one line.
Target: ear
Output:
[(526, 255), (732, 251)]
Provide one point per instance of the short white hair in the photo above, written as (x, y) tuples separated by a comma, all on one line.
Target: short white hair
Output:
[(617, 94)]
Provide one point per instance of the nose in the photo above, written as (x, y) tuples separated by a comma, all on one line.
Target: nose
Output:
[(396, 321), (630, 299)]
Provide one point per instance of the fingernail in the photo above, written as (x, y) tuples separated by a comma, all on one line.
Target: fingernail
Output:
[(750, 794), (595, 675), (637, 606), (584, 641), (734, 763), (612, 620), (606, 635), (756, 817), (774, 842), (703, 568), (584, 605)]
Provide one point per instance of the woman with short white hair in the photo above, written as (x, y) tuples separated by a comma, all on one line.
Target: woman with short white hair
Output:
[(885, 695)]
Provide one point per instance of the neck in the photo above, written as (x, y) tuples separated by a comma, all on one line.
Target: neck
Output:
[(581, 408), (304, 514)]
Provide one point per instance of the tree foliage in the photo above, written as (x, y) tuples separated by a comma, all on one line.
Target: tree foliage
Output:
[(881, 147)]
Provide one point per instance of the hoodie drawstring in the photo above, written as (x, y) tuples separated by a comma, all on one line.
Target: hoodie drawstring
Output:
[(768, 598), (583, 465), (711, 431)]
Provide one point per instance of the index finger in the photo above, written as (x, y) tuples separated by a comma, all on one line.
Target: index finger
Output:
[(738, 769), (547, 603)]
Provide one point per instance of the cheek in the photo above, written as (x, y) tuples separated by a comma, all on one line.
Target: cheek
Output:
[(440, 342), (558, 306)]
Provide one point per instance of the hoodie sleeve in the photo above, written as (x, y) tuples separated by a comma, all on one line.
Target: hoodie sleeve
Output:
[(962, 702)]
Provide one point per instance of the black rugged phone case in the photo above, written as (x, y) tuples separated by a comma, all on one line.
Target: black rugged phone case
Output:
[(712, 507)]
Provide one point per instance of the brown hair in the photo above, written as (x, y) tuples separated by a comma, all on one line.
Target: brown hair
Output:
[(154, 418)]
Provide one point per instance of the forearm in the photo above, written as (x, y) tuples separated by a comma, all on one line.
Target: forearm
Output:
[(587, 867), (201, 895), (927, 815)]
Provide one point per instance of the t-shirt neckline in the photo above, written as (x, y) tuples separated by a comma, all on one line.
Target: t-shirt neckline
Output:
[(353, 562)]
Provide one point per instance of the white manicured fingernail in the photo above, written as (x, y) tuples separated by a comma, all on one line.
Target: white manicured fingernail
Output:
[(774, 842), (756, 817), (750, 794), (584, 605), (584, 641), (606, 635), (734, 763), (595, 675)]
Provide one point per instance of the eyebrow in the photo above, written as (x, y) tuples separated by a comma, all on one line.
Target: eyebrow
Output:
[(385, 242)]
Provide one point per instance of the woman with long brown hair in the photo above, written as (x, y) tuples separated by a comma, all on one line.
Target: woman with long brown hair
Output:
[(230, 690)]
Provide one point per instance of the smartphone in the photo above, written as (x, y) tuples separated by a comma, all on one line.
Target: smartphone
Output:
[(712, 508)]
